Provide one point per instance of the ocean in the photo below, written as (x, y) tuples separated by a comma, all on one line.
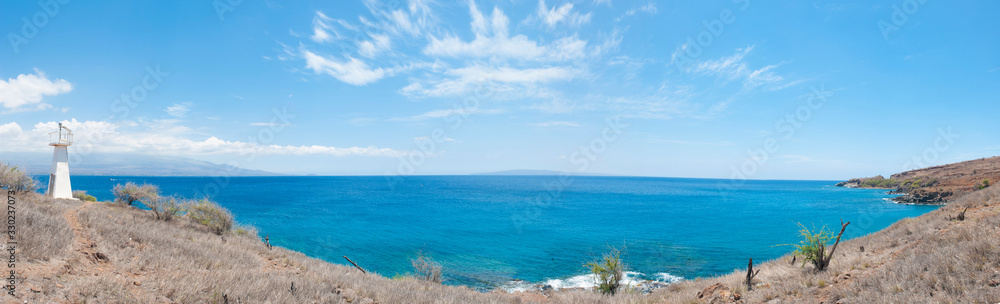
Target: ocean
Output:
[(515, 232)]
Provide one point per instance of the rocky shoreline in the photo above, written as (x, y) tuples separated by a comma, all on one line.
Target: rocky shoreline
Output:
[(936, 185)]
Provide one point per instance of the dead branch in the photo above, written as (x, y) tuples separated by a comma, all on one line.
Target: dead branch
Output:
[(355, 265), (750, 275), (826, 260)]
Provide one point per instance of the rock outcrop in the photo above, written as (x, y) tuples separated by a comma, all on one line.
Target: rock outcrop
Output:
[(934, 185)]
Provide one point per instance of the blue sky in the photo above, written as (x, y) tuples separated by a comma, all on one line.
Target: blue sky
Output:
[(744, 89)]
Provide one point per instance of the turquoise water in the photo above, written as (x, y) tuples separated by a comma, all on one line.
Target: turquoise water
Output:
[(489, 230)]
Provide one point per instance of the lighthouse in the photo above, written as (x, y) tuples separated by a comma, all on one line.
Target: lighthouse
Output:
[(59, 178)]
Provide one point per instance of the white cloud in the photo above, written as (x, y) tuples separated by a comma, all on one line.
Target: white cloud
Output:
[(378, 44), (552, 16), (436, 114), (152, 138), (554, 124), (352, 71), (494, 80), (649, 8), (268, 124), (691, 143), (28, 90), (179, 110), (423, 138), (493, 40), (734, 68), (324, 29)]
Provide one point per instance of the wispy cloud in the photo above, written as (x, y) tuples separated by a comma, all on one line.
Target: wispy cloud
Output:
[(324, 29), (179, 110), (437, 114), (735, 68), (554, 15), (492, 39), (27, 91), (268, 124), (351, 71), (554, 124), (162, 138), (464, 80), (649, 8), (692, 143)]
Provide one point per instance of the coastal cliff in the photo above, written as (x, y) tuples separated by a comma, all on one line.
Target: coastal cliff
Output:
[(934, 185)]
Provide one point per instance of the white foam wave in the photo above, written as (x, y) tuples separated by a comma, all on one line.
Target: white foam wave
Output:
[(589, 281)]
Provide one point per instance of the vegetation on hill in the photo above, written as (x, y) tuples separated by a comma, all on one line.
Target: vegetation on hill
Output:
[(935, 185), (85, 252)]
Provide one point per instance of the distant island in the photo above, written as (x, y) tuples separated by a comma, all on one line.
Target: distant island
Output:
[(934, 185), (523, 172), (112, 252), (121, 164)]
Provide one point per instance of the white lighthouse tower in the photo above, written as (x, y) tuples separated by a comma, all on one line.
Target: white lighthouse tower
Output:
[(59, 178)]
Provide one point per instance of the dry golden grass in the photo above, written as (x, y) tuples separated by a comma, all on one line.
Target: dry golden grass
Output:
[(105, 253), (928, 259)]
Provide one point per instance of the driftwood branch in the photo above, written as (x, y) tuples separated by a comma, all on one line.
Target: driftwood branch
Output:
[(826, 260), (750, 275), (355, 265)]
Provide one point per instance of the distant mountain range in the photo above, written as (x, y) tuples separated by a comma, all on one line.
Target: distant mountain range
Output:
[(128, 165), (538, 172)]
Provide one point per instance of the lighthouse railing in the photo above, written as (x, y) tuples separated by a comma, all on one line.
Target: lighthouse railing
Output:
[(60, 138)]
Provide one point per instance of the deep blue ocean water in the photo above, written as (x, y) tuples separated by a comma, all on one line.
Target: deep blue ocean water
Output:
[(489, 230)]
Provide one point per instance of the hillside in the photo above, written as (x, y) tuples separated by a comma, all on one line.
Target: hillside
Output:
[(130, 165), (935, 185), (92, 252)]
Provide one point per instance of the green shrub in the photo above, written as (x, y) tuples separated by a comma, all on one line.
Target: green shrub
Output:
[(426, 268), (609, 271), (217, 218), (130, 193), (15, 179), (83, 196), (983, 185), (246, 230), (812, 248), (165, 207)]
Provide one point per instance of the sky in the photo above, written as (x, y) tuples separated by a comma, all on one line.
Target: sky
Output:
[(714, 89)]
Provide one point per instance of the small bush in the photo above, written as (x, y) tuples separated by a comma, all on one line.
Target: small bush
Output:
[(165, 207), (208, 213), (130, 193), (426, 268), (812, 248), (15, 179), (608, 271), (83, 196), (246, 230), (983, 185)]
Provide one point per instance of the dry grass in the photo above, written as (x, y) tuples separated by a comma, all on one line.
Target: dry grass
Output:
[(925, 259), (41, 232), (916, 260)]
